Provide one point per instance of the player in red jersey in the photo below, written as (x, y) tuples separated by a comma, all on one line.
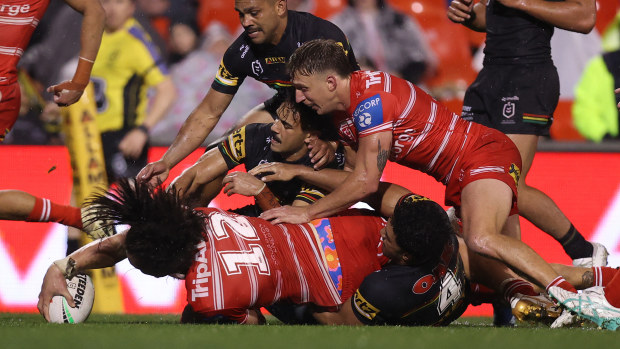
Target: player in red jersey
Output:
[(18, 19), (384, 117), (233, 265)]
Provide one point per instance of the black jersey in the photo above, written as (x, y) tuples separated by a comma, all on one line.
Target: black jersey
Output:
[(250, 145), (430, 295), (513, 36), (266, 62)]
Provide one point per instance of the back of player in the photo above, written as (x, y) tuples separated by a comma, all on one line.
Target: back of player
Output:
[(247, 263), (426, 135), (428, 295)]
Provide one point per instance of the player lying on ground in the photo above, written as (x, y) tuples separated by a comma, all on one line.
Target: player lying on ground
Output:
[(233, 265)]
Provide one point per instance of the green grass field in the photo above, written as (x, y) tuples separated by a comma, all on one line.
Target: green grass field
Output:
[(163, 331)]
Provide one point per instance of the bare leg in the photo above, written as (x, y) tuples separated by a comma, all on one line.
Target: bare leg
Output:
[(15, 205), (485, 207), (534, 205)]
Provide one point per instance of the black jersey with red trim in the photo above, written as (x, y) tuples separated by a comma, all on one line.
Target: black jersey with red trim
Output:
[(429, 295), (251, 145), (266, 62), (513, 36)]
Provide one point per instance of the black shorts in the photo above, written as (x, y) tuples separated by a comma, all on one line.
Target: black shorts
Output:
[(514, 99), (116, 164)]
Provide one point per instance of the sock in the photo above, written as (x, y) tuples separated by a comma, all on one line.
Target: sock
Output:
[(562, 283), (72, 245), (510, 287), (47, 211), (603, 275), (481, 294), (612, 291), (575, 245)]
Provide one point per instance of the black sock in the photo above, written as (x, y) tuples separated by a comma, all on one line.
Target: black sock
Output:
[(72, 245), (575, 245)]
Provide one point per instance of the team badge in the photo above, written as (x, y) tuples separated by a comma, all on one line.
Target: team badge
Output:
[(515, 173), (257, 68)]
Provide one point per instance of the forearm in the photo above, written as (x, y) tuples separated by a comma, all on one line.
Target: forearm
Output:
[(573, 15), (328, 179), (92, 30), (355, 188), (162, 101), (191, 135), (98, 254)]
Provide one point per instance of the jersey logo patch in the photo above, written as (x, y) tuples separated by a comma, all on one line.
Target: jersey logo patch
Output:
[(224, 77), (237, 144), (369, 113), (257, 68), (364, 308)]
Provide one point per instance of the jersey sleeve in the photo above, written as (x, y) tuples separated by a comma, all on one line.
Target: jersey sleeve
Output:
[(309, 194), (229, 76), (146, 58), (233, 148), (374, 114)]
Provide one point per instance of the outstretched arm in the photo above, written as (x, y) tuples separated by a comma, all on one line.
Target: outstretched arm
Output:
[(98, 254), (69, 92), (371, 159), (193, 132), (574, 15)]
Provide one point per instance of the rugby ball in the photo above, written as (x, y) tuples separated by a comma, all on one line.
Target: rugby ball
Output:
[(83, 292)]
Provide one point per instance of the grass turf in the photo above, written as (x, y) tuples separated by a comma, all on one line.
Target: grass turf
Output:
[(163, 331)]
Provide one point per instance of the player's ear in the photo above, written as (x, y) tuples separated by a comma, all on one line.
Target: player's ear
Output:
[(332, 82), (281, 7)]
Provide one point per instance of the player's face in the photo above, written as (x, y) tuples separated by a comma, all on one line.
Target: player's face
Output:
[(262, 19), (287, 136), (390, 247), (313, 91), (117, 12)]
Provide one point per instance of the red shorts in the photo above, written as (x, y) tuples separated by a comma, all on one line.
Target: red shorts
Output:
[(491, 155), (10, 100)]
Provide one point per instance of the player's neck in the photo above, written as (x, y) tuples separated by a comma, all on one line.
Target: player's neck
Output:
[(343, 93), (279, 32)]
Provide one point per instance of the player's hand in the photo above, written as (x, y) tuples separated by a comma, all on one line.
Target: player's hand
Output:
[(154, 173), (185, 183), (66, 93), (133, 143), (321, 152), (460, 11), (287, 214), (617, 91), (242, 183), (54, 284), (275, 171)]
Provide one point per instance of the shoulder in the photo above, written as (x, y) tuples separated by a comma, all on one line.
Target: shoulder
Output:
[(315, 27)]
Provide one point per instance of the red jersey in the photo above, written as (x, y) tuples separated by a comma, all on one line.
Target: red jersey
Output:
[(247, 263), (426, 136), (18, 19)]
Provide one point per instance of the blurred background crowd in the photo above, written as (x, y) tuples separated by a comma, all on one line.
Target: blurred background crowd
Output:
[(410, 38)]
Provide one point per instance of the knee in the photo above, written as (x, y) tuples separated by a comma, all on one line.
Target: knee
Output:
[(481, 243)]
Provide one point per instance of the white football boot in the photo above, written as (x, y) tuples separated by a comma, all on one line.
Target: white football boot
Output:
[(598, 259), (589, 304)]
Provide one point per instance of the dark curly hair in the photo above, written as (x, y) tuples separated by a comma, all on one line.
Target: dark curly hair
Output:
[(422, 228), (164, 231)]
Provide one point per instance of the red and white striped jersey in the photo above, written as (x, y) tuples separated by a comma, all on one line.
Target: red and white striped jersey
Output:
[(18, 19), (426, 135), (247, 263)]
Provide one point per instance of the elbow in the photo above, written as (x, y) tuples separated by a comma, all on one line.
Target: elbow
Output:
[(585, 24)]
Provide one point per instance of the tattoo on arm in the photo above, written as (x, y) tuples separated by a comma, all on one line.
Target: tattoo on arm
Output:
[(382, 157), (587, 279)]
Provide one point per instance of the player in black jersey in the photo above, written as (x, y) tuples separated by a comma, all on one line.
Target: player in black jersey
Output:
[(271, 35), (517, 92), (280, 141)]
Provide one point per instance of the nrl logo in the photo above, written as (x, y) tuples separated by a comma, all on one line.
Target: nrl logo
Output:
[(509, 110)]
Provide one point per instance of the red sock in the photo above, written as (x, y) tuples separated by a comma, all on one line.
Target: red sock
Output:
[(47, 211), (511, 287), (612, 291), (481, 294), (603, 275), (561, 283)]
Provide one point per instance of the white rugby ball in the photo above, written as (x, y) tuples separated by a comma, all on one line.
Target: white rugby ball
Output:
[(83, 292)]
